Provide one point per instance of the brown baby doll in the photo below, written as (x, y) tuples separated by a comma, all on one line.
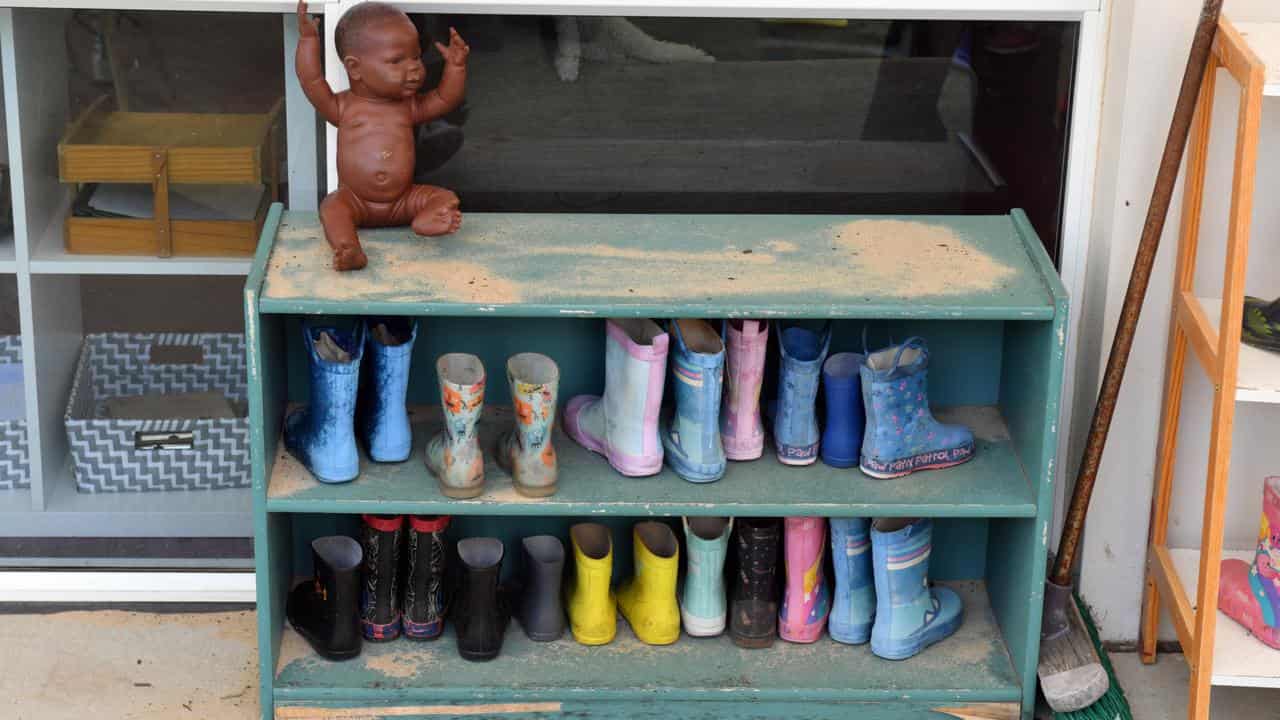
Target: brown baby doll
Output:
[(379, 47)]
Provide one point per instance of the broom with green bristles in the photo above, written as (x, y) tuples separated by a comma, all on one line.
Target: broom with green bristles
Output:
[(1075, 674)]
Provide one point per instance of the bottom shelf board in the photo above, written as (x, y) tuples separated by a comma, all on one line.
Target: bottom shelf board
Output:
[(971, 666), (1239, 659)]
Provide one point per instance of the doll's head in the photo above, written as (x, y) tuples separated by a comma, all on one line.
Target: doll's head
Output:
[(379, 47)]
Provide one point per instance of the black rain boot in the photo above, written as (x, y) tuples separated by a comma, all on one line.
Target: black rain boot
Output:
[(753, 603), (541, 607), (424, 599), (326, 609), (380, 601), (479, 617)]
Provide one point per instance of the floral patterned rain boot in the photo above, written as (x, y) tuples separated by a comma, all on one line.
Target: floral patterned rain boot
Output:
[(795, 427), (381, 540), (910, 615), (691, 437), (854, 607), (526, 451), (385, 419), (741, 430), (322, 434), (453, 455), (807, 598), (902, 435), (1250, 594)]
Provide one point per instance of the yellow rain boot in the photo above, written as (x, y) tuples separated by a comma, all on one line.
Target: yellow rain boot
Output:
[(648, 599), (593, 615)]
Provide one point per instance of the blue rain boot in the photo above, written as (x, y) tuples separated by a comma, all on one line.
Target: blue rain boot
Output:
[(385, 420), (795, 425), (855, 602), (691, 436), (902, 435), (842, 388), (322, 435), (702, 604), (910, 615)]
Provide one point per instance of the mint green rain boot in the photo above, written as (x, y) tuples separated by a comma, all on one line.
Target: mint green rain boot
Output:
[(702, 606)]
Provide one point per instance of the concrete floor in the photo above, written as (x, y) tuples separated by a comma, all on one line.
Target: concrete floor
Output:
[(121, 665)]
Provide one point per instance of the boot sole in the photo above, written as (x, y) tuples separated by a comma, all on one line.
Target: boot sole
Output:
[(702, 627), (797, 463), (909, 650), (879, 475), (753, 642), (461, 493), (485, 656), (536, 492)]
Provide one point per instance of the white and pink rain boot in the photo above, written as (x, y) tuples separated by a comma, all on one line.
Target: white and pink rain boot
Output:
[(741, 430)]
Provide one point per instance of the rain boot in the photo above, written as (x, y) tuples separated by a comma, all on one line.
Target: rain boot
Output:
[(741, 431), (424, 597), (526, 451), (703, 606), (753, 600), (691, 437), (541, 607), (322, 434), (807, 599), (795, 426), (1250, 593), (854, 607), (842, 434), (381, 537), (479, 616), (910, 615), (901, 435), (623, 424), (326, 609), (385, 420), (593, 614), (453, 455), (648, 599)]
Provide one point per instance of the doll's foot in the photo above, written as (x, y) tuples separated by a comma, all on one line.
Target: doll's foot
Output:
[(438, 221), (350, 257)]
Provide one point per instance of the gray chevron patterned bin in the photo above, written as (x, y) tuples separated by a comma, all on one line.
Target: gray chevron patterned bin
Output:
[(15, 469), (120, 455)]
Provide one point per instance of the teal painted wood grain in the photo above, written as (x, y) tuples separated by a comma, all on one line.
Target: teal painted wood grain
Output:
[(656, 708), (528, 265)]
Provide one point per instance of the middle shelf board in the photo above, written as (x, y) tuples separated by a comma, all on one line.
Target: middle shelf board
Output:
[(992, 484)]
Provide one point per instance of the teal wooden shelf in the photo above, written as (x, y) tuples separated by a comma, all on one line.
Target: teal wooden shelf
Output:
[(993, 484)]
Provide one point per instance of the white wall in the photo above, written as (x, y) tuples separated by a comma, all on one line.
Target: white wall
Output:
[(1148, 45)]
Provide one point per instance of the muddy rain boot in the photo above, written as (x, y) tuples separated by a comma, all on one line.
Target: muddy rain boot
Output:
[(382, 537), (846, 422), (854, 607), (385, 421), (741, 429), (1250, 592), (593, 613), (541, 607), (326, 609), (526, 451), (753, 599), (424, 596), (453, 455), (795, 427), (910, 615), (702, 605), (691, 437), (622, 425), (807, 599), (321, 435), (648, 599), (902, 435), (478, 615)]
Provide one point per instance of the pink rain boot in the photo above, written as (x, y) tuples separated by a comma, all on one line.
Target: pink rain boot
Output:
[(741, 430), (1250, 594), (807, 599)]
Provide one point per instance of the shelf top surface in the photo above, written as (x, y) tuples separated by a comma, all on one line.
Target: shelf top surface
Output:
[(980, 267), (992, 484), (973, 664)]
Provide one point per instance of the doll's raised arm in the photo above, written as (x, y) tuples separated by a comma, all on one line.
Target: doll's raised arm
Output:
[(310, 67), (448, 95)]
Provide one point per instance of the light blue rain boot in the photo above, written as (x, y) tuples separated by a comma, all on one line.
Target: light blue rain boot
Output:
[(702, 605), (385, 420), (322, 434), (795, 424), (910, 615), (691, 436), (902, 435), (855, 602)]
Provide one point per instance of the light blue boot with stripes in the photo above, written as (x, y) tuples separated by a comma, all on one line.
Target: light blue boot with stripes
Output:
[(854, 607), (702, 604), (910, 615), (691, 435)]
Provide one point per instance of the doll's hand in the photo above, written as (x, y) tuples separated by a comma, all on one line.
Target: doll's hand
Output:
[(306, 25), (457, 51)]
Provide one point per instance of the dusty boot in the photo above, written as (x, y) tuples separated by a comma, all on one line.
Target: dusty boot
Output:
[(526, 451), (424, 597), (691, 437), (593, 613), (478, 615), (623, 424), (541, 609), (854, 607), (382, 536), (753, 599), (453, 455), (648, 599), (703, 605), (807, 599), (385, 419), (322, 434), (1250, 593), (741, 429), (910, 615), (795, 425), (326, 609)]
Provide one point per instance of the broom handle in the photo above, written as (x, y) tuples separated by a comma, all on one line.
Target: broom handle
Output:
[(1139, 277)]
